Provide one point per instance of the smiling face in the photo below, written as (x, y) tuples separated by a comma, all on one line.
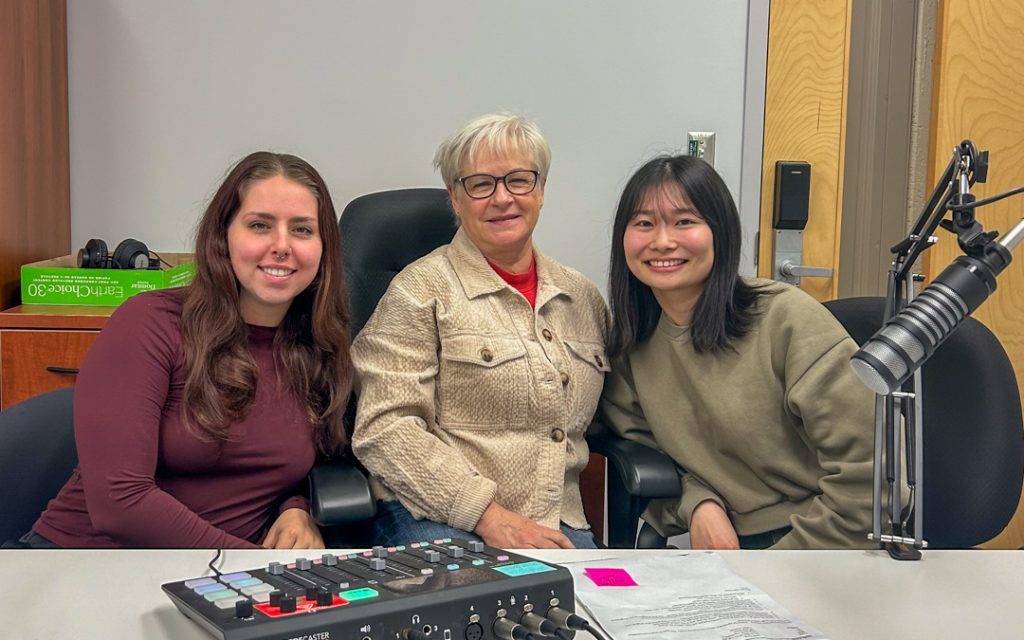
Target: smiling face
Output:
[(669, 247), (275, 248), (501, 225)]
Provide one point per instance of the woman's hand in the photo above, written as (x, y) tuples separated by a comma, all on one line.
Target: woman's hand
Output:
[(710, 528), (505, 529), (294, 529)]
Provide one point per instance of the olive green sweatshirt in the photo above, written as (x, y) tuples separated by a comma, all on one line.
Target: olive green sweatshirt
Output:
[(777, 429)]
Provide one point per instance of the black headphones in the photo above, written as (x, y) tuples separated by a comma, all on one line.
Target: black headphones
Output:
[(129, 254)]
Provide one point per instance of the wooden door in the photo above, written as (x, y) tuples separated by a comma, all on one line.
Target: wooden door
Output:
[(978, 94), (804, 119)]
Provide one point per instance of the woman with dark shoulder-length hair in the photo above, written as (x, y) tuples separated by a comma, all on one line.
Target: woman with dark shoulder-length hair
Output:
[(745, 383), (199, 411)]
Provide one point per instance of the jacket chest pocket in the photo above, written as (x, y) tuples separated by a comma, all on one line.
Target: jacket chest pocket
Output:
[(588, 364), (483, 383)]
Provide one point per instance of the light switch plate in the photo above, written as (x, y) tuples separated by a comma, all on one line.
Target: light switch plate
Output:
[(701, 144)]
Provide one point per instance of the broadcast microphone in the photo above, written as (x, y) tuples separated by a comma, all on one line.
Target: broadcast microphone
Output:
[(912, 335)]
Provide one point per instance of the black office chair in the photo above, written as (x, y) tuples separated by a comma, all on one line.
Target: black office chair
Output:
[(37, 455), (381, 234), (636, 475), (973, 436), (384, 232)]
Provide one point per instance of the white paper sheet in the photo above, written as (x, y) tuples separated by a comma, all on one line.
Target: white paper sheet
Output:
[(689, 595)]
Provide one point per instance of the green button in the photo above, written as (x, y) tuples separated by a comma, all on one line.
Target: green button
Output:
[(358, 594)]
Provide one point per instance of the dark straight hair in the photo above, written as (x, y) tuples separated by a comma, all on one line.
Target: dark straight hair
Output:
[(725, 310)]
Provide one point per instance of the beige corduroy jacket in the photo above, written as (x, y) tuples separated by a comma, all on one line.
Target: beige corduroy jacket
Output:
[(468, 395)]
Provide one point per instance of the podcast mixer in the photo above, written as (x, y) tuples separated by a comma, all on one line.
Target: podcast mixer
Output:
[(444, 589)]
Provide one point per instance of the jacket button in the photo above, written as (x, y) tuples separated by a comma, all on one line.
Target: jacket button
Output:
[(598, 360), (486, 355), (557, 435), (565, 379), (547, 334)]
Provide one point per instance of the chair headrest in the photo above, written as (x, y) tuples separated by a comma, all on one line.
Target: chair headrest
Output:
[(384, 232)]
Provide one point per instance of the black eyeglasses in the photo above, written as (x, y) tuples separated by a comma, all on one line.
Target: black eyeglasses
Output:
[(482, 185)]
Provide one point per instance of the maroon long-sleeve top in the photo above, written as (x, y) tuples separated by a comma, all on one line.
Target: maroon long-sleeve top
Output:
[(143, 479)]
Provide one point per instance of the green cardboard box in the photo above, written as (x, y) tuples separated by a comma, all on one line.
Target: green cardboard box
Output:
[(59, 281)]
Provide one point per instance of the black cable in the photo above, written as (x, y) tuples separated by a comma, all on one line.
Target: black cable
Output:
[(213, 560), (508, 630), (596, 632), (158, 257), (568, 620), (978, 203), (538, 625)]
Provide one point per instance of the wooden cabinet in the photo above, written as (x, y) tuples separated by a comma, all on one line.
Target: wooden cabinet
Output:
[(41, 347)]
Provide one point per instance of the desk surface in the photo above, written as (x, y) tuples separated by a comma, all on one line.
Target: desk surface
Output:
[(848, 595)]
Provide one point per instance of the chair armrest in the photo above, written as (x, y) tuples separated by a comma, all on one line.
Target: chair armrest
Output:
[(644, 472), (339, 493)]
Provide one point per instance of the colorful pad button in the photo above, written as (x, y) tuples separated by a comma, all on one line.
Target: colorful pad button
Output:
[(209, 588), (525, 568), (231, 577), (227, 603), (244, 582), (257, 588), (364, 593), (220, 595), (199, 582)]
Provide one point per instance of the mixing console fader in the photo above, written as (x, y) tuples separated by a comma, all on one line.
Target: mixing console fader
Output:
[(442, 589)]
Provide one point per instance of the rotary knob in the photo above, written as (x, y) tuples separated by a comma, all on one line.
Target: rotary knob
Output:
[(287, 604)]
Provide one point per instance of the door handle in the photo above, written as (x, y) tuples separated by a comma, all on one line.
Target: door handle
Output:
[(67, 370), (790, 269)]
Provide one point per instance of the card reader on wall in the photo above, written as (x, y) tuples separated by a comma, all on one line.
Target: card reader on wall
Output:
[(792, 194), (790, 212)]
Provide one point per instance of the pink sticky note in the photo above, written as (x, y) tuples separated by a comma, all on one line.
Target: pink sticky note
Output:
[(610, 577)]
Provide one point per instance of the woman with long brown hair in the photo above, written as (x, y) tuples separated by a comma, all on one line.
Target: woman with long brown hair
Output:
[(199, 411)]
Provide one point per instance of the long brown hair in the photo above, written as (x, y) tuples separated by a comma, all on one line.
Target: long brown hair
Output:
[(311, 345)]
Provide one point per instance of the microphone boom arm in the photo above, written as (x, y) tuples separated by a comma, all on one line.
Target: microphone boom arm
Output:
[(895, 374)]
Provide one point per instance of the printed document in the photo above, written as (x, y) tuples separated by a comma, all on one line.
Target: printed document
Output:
[(690, 595)]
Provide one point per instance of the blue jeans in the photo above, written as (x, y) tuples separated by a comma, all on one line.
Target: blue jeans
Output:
[(395, 525)]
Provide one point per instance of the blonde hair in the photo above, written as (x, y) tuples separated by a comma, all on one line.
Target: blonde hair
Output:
[(503, 134)]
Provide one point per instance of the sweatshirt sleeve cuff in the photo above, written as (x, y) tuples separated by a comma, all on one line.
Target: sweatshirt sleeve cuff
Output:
[(694, 493), (477, 494)]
